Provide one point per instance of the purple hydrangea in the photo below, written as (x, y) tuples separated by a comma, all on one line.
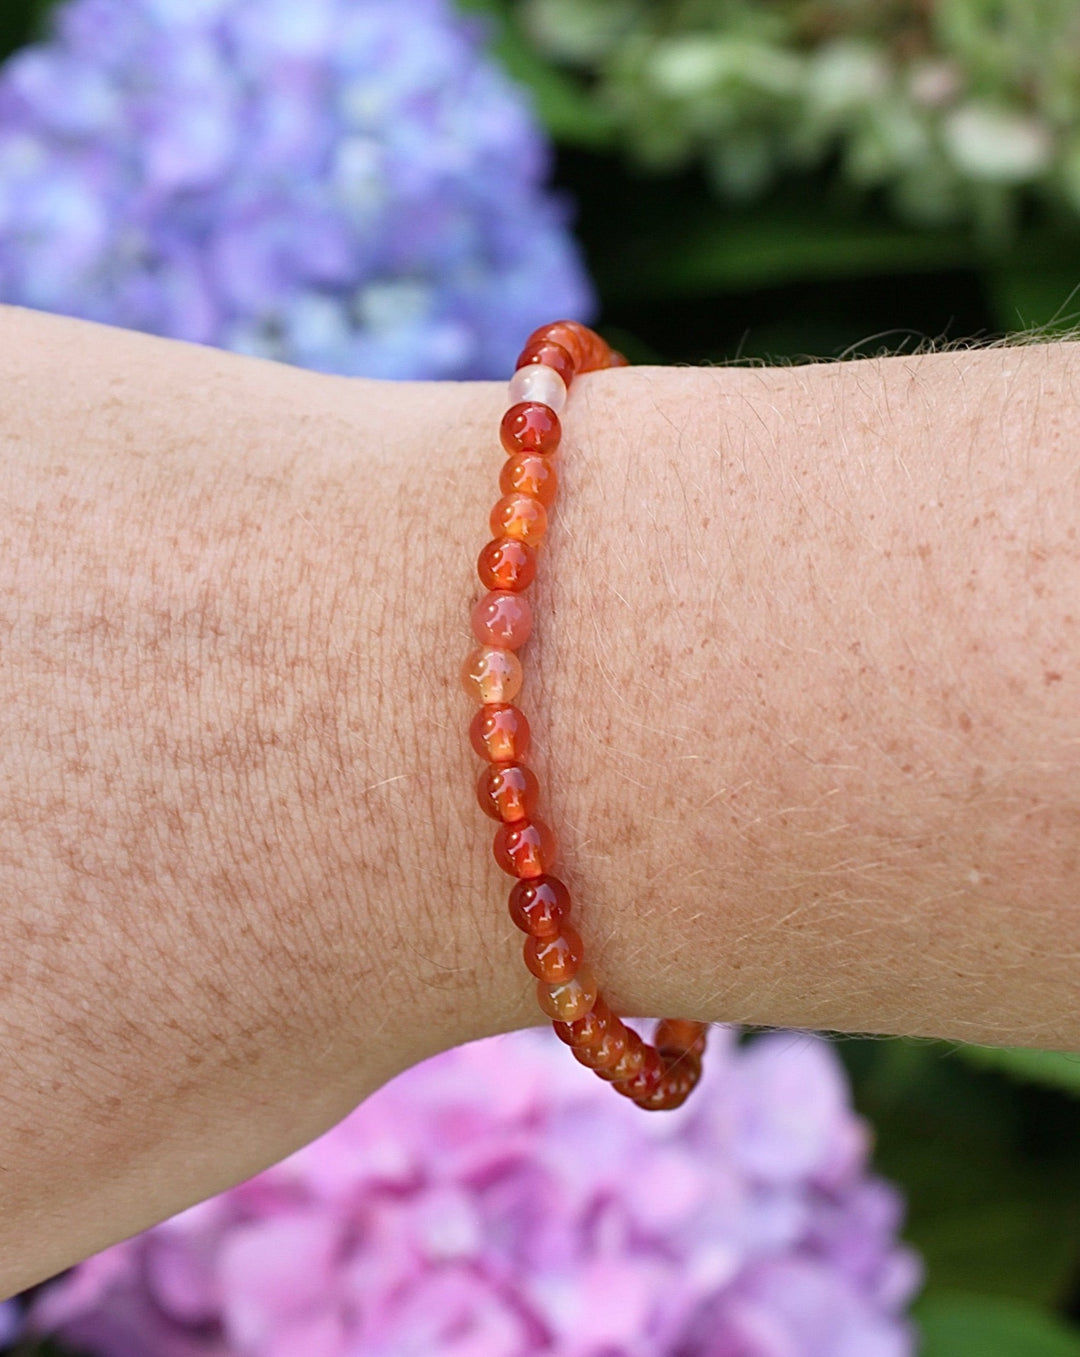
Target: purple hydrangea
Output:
[(349, 185), (500, 1201)]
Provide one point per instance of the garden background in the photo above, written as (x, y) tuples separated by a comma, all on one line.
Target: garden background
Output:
[(825, 178)]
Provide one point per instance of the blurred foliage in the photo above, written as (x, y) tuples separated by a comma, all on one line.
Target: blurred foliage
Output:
[(813, 261)]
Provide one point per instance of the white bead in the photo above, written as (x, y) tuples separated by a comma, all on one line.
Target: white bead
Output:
[(536, 382)]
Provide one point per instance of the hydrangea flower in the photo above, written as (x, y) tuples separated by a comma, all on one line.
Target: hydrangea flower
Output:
[(349, 185), (499, 1201)]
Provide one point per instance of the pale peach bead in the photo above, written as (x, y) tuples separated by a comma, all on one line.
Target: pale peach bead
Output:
[(537, 382), (492, 674), (570, 1000), (502, 618)]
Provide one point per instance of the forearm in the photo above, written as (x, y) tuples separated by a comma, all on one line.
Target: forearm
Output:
[(792, 693)]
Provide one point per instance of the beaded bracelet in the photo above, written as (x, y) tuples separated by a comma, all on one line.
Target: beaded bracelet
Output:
[(654, 1077)]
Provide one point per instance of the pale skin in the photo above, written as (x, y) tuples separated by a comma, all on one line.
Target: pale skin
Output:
[(804, 698)]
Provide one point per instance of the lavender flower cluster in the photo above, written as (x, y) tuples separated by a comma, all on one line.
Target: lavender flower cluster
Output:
[(349, 185), (498, 1201)]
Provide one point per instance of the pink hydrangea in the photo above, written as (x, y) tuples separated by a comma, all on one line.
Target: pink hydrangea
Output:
[(499, 1201)]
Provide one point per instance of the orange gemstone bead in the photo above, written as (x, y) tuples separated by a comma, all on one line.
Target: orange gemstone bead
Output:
[(499, 732), (607, 1051), (571, 999), (557, 958), (530, 426), (675, 1086), (647, 1080), (673, 1036), (589, 1030), (525, 848), (630, 1062), (585, 346), (502, 618), (519, 516), (507, 563), (491, 674), (539, 906), (551, 354), (507, 792), (527, 473)]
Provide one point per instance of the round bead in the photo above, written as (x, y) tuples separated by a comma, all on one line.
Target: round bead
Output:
[(507, 563), (630, 1062), (675, 1086), (491, 674), (550, 354), (502, 618), (500, 733), (589, 1030), (539, 906), (585, 346), (617, 360), (525, 848), (557, 958), (647, 1080), (520, 516), (673, 1036), (528, 473), (530, 426), (538, 383), (507, 792), (570, 1000), (607, 1051)]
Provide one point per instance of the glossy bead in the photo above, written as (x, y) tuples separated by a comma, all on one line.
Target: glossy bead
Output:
[(675, 1086), (647, 1080), (589, 1030), (617, 360), (499, 732), (524, 849), (673, 1036), (630, 1062), (539, 906), (551, 354), (530, 426), (519, 516), (607, 1051), (570, 1000), (502, 618), (528, 473), (507, 563), (555, 959), (491, 674), (585, 346), (538, 383), (507, 792)]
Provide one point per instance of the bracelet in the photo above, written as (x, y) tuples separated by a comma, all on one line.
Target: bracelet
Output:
[(654, 1077)]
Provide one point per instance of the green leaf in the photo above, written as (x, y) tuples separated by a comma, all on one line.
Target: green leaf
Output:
[(1052, 1069), (957, 1325)]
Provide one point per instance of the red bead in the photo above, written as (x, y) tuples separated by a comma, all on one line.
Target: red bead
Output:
[(530, 426), (502, 618), (571, 999), (589, 1030), (519, 516), (549, 353), (507, 563), (607, 1051), (500, 733), (673, 1036), (647, 1080), (555, 959), (675, 1086), (585, 346), (630, 1062), (539, 906), (527, 473), (525, 848), (507, 792)]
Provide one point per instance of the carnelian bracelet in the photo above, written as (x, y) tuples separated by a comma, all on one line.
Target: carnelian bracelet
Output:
[(654, 1077)]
